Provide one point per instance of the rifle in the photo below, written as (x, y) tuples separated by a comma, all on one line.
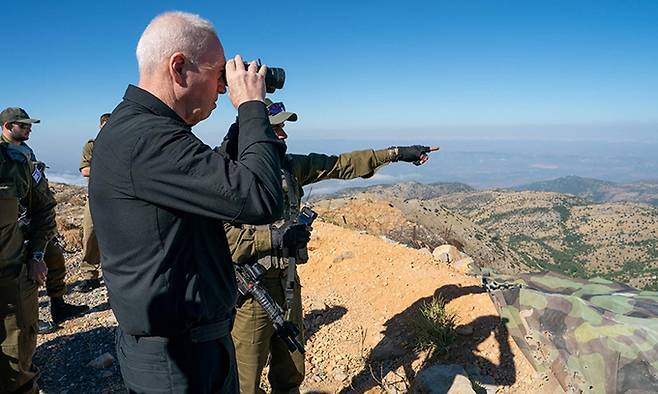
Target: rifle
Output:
[(248, 278), (306, 216)]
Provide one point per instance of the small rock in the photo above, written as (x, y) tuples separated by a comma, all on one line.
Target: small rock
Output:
[(103, 361), (396, 381), (446, 253), (450, 379), (107, 374), (339, 376), (464, 330)]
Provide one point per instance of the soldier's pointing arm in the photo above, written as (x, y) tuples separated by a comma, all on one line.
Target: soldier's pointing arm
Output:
[(316, 167), (358, 164)]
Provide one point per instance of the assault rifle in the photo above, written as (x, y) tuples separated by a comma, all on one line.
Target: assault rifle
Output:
[(306, 216), (248, 278)]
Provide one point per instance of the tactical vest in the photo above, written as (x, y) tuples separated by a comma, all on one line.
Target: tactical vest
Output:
[(292, 198)]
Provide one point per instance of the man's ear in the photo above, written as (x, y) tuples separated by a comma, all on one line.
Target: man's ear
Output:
[(177, 66)]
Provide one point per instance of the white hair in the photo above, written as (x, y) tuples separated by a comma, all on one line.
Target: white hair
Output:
[(173, 32)]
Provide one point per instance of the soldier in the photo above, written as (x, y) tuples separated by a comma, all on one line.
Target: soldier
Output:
[(253, 335), (91, 257), (22, 268), (14, 135)]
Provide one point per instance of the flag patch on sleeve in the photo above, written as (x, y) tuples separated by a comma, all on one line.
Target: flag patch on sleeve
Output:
[(36, 174)]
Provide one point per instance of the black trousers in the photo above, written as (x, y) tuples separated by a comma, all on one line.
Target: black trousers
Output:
[(177, 364)]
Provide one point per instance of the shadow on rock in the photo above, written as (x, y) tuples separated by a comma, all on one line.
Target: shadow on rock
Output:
[(452, 292), (64, 363), (317, 318), (392, 358)]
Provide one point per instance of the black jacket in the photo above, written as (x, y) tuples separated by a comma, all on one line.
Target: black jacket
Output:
[(158, 196)]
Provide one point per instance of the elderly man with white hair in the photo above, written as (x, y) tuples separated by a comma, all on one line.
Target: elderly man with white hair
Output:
[(159, 197)]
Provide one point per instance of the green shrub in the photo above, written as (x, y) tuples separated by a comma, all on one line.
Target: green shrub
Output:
[(434, 326)]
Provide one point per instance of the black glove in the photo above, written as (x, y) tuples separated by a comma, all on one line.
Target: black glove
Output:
[(410, 154), (290, 236)]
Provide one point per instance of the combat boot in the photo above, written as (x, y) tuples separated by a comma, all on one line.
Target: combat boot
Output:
[(60, 310)]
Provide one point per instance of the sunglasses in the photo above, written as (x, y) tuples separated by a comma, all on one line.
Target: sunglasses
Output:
[(275, 108), (23, 125)]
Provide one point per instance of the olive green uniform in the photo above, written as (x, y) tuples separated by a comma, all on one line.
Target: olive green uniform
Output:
[(91, 257), (20, 183), (53, 257), (253, 333)]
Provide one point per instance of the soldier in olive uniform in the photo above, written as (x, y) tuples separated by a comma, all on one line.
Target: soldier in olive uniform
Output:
[(15, 135), (253, 334), (22, 268), (91, 256)]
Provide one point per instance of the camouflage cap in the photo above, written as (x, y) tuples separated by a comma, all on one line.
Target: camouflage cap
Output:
[(16, 115), (279, 117)]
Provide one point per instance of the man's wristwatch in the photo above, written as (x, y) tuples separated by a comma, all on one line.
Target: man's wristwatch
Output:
[(394, 153)]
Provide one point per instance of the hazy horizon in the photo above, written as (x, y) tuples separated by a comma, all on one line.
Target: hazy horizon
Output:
[(481, 163)]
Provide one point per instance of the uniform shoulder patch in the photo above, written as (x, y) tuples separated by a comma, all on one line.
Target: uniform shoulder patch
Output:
[(37, 174)]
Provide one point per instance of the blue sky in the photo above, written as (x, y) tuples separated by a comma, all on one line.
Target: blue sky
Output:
[(360, 70)]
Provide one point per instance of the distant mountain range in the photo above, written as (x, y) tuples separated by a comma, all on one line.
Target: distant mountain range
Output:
[(585, 228), (404, 190), (594, 190), (597, 190)]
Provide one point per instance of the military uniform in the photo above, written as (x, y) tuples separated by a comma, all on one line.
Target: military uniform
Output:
[(20, 182), (53, 257), (253, 334), (91, 257)]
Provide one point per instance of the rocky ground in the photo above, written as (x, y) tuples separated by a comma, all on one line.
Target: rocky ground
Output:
[(361, 293)]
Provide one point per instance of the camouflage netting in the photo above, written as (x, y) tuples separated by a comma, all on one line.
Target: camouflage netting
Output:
[(593, 336)]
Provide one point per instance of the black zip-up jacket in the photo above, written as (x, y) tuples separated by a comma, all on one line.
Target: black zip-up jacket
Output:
[(158, 196)]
